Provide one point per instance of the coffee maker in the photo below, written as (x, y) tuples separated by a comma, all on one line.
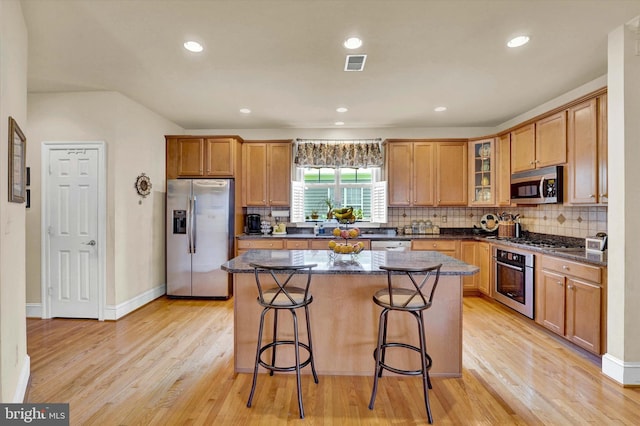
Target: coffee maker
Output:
[(253, 224)]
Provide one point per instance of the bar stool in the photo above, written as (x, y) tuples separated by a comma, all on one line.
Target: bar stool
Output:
[(275, 293), (400, 295)]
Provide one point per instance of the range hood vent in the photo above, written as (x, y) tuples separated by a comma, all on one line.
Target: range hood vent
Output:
[(355, 62)]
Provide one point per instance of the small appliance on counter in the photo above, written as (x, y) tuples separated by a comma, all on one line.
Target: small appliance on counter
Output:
[(253, 224), (596, 243)]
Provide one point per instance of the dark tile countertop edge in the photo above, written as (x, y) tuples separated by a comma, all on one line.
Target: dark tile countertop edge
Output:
[(575, 254)]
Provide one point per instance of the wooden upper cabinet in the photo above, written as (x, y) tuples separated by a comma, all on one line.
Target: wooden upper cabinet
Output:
[(266, 171), (523, 148), (540, 144), (410, 173), (482, 172), (587, 148), (196, 156), (451, 174), (582, 170), (603, 151), (427, 173), (503, 170), (551, 140)]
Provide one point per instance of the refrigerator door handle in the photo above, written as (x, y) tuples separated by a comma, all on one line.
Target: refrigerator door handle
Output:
[(193, 225), (189, 225)]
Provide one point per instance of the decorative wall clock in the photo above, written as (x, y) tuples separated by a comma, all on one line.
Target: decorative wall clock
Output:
[(143, 185)]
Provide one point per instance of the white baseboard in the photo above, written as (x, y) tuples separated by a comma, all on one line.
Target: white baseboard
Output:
[(112, 312), (34, 310), (23, 381), (625, 373)]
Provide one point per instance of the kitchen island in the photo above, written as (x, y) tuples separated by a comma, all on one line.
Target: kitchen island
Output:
[(344, 319)]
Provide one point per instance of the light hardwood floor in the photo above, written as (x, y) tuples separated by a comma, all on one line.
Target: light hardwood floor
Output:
[(171, 363)]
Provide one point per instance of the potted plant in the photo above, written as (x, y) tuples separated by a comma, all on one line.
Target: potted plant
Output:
[(314, 214), (329, 203)]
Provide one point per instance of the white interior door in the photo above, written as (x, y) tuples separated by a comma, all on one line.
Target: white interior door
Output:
[(72, 210)]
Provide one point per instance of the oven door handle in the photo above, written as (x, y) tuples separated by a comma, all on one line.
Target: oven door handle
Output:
[(506, 265)]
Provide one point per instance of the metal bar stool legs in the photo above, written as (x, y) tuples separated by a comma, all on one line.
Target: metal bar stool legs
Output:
[(290, 299), (411, 300)]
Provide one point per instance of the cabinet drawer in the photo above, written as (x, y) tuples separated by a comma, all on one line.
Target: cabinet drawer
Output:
[(260, 244), (575, 269), (296, 244), (440, 245)]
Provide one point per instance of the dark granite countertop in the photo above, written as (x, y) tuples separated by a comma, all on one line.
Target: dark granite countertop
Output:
[(366, 262), (573, 252)]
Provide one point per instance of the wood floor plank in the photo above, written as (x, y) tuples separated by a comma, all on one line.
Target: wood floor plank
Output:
[(171, 362)]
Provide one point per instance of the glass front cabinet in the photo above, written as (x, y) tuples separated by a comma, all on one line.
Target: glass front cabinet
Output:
[(482, 174)]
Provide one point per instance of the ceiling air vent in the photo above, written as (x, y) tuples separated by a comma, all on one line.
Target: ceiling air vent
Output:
[(355, 62)]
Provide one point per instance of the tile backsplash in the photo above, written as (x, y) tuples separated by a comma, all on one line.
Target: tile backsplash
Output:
[(556, 219)]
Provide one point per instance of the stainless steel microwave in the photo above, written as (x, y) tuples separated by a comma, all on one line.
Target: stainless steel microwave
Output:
[(539, 186)]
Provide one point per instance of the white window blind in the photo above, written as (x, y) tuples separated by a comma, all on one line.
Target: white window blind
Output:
[(379, 202), (297, 201)]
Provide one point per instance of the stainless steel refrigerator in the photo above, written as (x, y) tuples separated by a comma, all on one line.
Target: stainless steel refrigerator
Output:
[(199, 237)]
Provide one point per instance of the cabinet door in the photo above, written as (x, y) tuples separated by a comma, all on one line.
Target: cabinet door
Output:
[(423, 174), (503, 170), (254, 170), (399, 173), (550, 299), (583, 314), (484, 262), (603, 151), (190, 157), (551, 140), (279, 173), (219, 157), (469, 254), (523, 148), (451, 174), (582, 170), (482, 164)]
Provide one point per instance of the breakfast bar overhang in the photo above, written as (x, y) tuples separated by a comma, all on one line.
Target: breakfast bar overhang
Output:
[(344, 319)]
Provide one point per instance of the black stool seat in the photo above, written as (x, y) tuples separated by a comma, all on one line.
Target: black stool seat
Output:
[(406, 291), (276, 292)]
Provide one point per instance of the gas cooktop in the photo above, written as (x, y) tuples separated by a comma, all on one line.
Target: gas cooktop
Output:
[(553, 243)]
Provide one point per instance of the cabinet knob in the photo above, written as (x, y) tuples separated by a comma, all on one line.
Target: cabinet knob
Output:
[(592, 195), (537, 161), (603, 195), (565, 267), (531, 163), (559, 282), (435, 245), (570, 287)]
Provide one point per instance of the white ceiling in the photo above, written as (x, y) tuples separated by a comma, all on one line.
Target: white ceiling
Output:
[(284, 59)]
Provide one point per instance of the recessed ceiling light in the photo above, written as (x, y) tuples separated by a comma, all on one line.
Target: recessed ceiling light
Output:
[(339, 123), (245, 110), (518, 41), (341, 109), (440, 109), (193, 46), (352, 43)]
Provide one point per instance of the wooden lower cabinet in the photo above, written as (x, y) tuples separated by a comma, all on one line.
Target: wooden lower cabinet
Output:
[(448, 247), (485, 275), (569, 302), (243, 246), (469, 254)]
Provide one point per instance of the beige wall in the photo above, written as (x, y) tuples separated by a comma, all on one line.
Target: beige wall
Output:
[(134, 138), (14, 362)]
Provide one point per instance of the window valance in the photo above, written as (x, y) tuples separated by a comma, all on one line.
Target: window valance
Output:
[(338, 153)]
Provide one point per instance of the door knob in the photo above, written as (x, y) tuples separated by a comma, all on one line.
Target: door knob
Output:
[(91, 243)]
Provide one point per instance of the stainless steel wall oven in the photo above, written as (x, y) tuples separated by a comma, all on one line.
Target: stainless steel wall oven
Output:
[(513, 272)]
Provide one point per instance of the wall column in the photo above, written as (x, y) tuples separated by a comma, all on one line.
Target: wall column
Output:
[(622, 360)]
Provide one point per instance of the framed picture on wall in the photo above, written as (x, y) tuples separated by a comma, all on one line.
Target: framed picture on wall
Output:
[(17, 157)]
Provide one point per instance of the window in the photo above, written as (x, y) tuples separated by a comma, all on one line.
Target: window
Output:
[(342, 186)]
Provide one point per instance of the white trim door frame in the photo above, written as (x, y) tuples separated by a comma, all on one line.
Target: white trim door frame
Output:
[(101, 239)]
